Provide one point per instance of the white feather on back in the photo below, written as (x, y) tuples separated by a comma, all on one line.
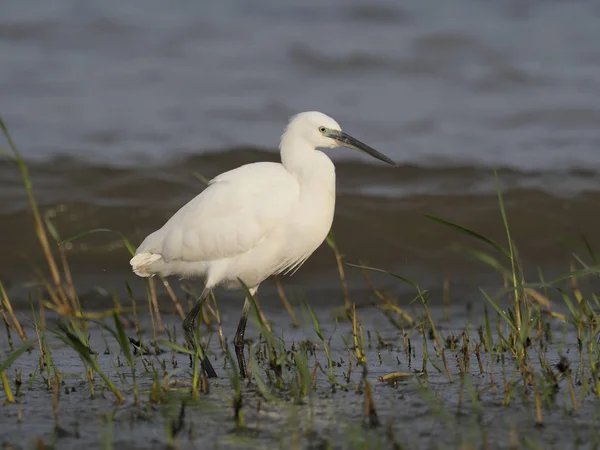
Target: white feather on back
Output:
[(231, 216)]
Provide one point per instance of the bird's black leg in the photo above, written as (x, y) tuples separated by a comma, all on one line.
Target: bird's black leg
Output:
[(189, 328), (238, 340)]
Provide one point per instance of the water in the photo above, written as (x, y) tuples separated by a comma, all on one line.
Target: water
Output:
[(482, 84), (434, 413), (116, 107)]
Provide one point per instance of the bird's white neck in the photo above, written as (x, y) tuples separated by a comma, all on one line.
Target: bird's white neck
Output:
[(303, 160)]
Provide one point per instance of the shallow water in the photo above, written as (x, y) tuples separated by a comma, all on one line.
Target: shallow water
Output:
[(116, 108), (415, 418)]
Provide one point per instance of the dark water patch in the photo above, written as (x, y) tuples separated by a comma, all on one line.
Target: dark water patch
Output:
[(67, 179), (28, 31), (383, 231), (560, 117), (380, 13), (315, 60), (380, 213), (449, 46)]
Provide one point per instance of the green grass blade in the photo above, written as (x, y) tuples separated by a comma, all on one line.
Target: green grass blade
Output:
[(316, 322), (15, 355), (201, 178), (574, 311), (86, 356), (325, 345), (375, 269), (123, 340), (470, 233), (176, 347), (486, 259), (589, 249), (499, 311)]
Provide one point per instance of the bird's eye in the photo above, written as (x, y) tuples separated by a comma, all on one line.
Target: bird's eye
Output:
[(322, 129)]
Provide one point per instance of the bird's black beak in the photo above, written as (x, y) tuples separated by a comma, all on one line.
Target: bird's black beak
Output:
[(348, 141)]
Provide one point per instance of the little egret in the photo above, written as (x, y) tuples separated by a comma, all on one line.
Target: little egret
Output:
[(252, 222)]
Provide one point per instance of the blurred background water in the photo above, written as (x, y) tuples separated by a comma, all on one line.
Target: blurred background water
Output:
[(116, 104)]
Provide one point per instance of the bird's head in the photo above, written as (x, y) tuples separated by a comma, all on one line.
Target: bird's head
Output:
[(320, 130)]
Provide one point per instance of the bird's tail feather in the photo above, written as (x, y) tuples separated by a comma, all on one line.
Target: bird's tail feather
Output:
[(141, 263)]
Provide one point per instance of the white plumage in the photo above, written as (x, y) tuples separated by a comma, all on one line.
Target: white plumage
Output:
[(257, 220), (243, 225)]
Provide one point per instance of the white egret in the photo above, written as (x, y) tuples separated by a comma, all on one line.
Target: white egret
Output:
[(252, 222)]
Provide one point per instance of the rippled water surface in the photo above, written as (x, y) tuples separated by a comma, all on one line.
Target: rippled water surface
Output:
[(507, 83)]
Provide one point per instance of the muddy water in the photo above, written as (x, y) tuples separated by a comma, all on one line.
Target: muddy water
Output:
[(438, 416), (380, 219)]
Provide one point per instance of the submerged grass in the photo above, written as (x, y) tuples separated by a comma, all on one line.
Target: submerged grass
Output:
[(460, 380)]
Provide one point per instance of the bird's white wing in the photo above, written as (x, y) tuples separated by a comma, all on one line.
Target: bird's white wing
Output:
[(231, 216)]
